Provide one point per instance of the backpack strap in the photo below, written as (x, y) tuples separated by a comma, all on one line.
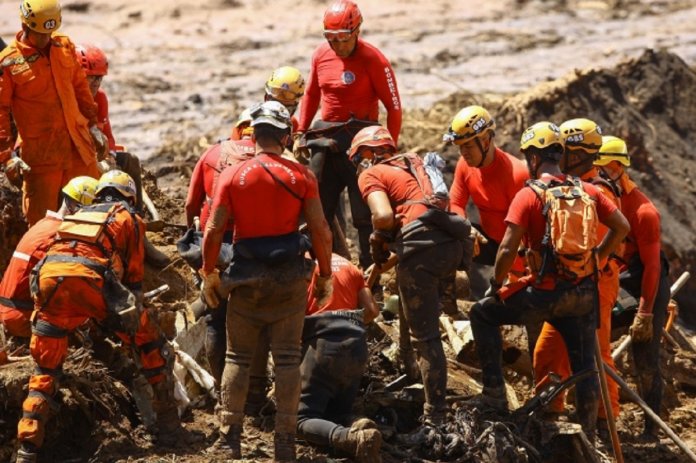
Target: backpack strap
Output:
[(279, 181)]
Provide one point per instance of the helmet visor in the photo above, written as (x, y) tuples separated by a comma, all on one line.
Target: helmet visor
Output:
[(285, 96)]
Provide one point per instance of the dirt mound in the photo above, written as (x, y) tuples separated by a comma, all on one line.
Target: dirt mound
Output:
[(649, 101)]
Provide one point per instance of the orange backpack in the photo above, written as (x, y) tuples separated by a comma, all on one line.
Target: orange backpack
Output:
[(570, 238)]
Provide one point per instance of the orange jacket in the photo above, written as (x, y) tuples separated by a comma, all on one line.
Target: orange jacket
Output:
[(49, 98)]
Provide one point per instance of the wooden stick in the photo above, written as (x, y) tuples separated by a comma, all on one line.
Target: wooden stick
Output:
[(456, 341), (606, 400), (374, 271)]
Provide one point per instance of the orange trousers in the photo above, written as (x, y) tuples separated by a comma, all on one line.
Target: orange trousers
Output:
[(71, 303), (41, 190), (16, 321), (550, 354)]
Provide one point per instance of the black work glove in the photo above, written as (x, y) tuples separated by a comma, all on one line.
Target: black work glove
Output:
[(493, 289), (378, 246)]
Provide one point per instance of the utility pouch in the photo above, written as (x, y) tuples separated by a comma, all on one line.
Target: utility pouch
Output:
[(85, 226), (272, 250)]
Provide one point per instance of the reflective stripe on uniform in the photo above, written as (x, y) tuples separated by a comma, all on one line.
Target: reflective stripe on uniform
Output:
[(21, 256)]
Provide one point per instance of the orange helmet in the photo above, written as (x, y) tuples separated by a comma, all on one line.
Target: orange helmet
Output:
[(92, 59), (342, 15), (372, 136)]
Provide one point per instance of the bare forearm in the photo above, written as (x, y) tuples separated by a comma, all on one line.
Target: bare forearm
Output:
[(212, 239)]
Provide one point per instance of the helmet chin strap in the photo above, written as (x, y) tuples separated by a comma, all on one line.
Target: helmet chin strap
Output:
[(569, 168), (484, 153)]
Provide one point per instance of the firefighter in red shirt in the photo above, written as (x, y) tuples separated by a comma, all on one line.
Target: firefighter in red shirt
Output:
[(644, 272), (334, 358), (204, 179), (94, 270), (16, 304), (491, 178), (349, 77), (269, 274), (428, 240), (551, 292), (582, 139)]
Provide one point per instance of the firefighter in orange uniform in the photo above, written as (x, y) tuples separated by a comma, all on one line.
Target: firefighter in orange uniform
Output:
[(16, 304), (94, 270), (44, 88)]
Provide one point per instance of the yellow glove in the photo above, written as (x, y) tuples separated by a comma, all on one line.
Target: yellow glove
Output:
[(299, 148), (209, 288), (101, 143), (479, 239), (323, 289), (642, 328)]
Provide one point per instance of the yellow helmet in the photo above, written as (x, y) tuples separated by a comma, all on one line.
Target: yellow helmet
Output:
[(540, 135), (286, 85), (120, 181), (81, 189), (581, 134), (469, 123), (613, 149), (41, 16)]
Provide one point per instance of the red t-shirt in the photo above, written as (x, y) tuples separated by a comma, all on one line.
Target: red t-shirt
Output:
[(526, 211), (644, 239), (351, 86), (258, 204), (347, 280), (200, 192), (103, 121), (399, 185), (491, 188), (30, 249)]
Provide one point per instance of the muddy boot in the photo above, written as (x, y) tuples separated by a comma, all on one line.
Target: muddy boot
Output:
[(230, 441), (26, 456), (284, 447), (154, 256), (492, 398), (362, 441)]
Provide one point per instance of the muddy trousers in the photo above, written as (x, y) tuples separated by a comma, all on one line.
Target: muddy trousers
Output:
[(279, 308), (420, 277), (646, 355), (551, 355), (74, 302), (528, 306), (216, 347), (333, 362), (338, 174)]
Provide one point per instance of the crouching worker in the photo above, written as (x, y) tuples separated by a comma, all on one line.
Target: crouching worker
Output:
[(16, 304), (334, 359), (557, 217), (429, 241), (94, 270), (265, 197)]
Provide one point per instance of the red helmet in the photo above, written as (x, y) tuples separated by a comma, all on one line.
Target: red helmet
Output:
[(92, 59), (342, 15), (372, 136)]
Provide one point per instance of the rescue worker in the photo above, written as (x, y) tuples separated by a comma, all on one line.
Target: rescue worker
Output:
[(93, 60), (549, 293), (94, 273), (644, 272), (16, 304), (349, 77), (334, 358), (491, 178), (286, 85), (429, 254), (45, 90), (581, 140), (269, 274), (204, 179)]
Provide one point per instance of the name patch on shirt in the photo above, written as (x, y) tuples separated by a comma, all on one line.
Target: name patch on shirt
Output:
[(347, 77)]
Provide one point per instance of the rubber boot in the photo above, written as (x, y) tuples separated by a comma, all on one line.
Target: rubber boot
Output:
[(169, 430), (491, 398), (362, 441), (154, 256), (230, 441), (26, 456), (284, 447)]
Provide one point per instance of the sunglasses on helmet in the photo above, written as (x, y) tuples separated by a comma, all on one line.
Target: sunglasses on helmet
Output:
[(287, 97), (338, 35)]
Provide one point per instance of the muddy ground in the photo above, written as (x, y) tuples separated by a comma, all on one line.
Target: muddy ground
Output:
[(181, 71)]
